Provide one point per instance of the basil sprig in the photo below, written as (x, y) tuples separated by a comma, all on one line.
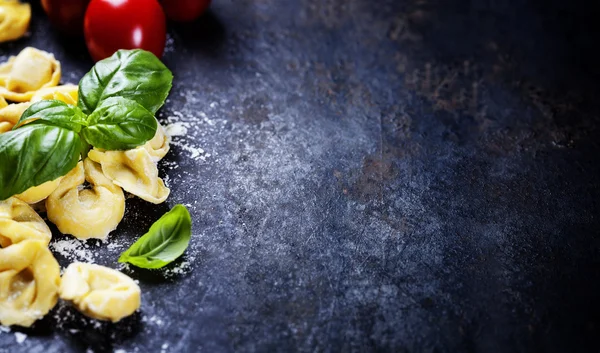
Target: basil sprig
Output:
[(117, 102), (166, 240)]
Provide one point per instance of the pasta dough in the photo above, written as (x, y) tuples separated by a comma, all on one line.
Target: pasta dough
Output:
[(10, 115), (86, 213), (67, 93), (29, 282), (100, 292), (18, 222), (28, 72), (14, 19), (159, 145), (38, 193), (134, 171)]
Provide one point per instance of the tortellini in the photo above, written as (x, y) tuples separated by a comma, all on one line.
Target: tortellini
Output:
[(100, 292), (19, 222), (67, 93), (134, 170), (29, 282), (159, 145), (86, 213), (10, 115), (28, 72), (38, 193), (14, 19)]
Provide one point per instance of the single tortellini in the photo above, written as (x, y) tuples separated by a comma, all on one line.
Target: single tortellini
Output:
[(67, 93), (100, 292), (86, 212), (159, 145), (134, 171), (38, 193), (29, 282), (14, 19), (28, 72), (19, 222), (10, 115)]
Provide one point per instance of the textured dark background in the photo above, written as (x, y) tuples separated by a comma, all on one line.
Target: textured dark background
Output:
[(394, 176)]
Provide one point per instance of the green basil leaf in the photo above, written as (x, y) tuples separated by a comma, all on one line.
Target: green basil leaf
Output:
[(119, 124), (166, 240), (56, 112), (134, 74), (34, 154)]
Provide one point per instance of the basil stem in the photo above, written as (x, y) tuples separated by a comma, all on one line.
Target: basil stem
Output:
[(166, 240)]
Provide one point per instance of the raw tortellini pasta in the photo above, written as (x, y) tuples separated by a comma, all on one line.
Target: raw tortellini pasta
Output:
[(14, 19), (86, 213), (135, 170), (159, 145), (10, 114), (67, 93), (100, 292), (38, 193), (28, 72), (19, 222), (29, 282)]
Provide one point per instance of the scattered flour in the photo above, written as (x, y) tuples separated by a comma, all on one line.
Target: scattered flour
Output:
[(177, 129), (73, 249), (155, 320), (20, 337), (163, 348)]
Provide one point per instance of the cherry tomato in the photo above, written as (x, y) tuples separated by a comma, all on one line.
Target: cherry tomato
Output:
[(66, 15), (110, 25), (184, 10)]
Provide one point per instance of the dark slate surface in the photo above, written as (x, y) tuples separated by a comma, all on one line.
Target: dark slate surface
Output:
[(394, 176)]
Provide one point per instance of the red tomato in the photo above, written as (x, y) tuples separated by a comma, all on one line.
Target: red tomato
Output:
[(110, 25), (66, 15), (184, 10)]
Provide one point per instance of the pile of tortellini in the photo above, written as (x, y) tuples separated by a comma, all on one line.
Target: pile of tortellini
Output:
[(88, 202), (14, 19)]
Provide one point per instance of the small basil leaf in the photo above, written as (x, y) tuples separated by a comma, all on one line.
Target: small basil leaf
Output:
[(56, 112), (134, 74), (166, 240), (34, 154), (119, 124)]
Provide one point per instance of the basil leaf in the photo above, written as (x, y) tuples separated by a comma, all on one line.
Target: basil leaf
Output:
[(119, 124), (134, 74), (34, 154), (56, 112), (166, 240)]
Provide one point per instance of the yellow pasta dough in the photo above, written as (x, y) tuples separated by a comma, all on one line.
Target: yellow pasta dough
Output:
[(2, 102), (86, 213), (14, 19), (19, 222), (28, 72), (67, 93), (29, 282), (100, 292), (10, 114), (159, 145), (134, 171), (38, 193)]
